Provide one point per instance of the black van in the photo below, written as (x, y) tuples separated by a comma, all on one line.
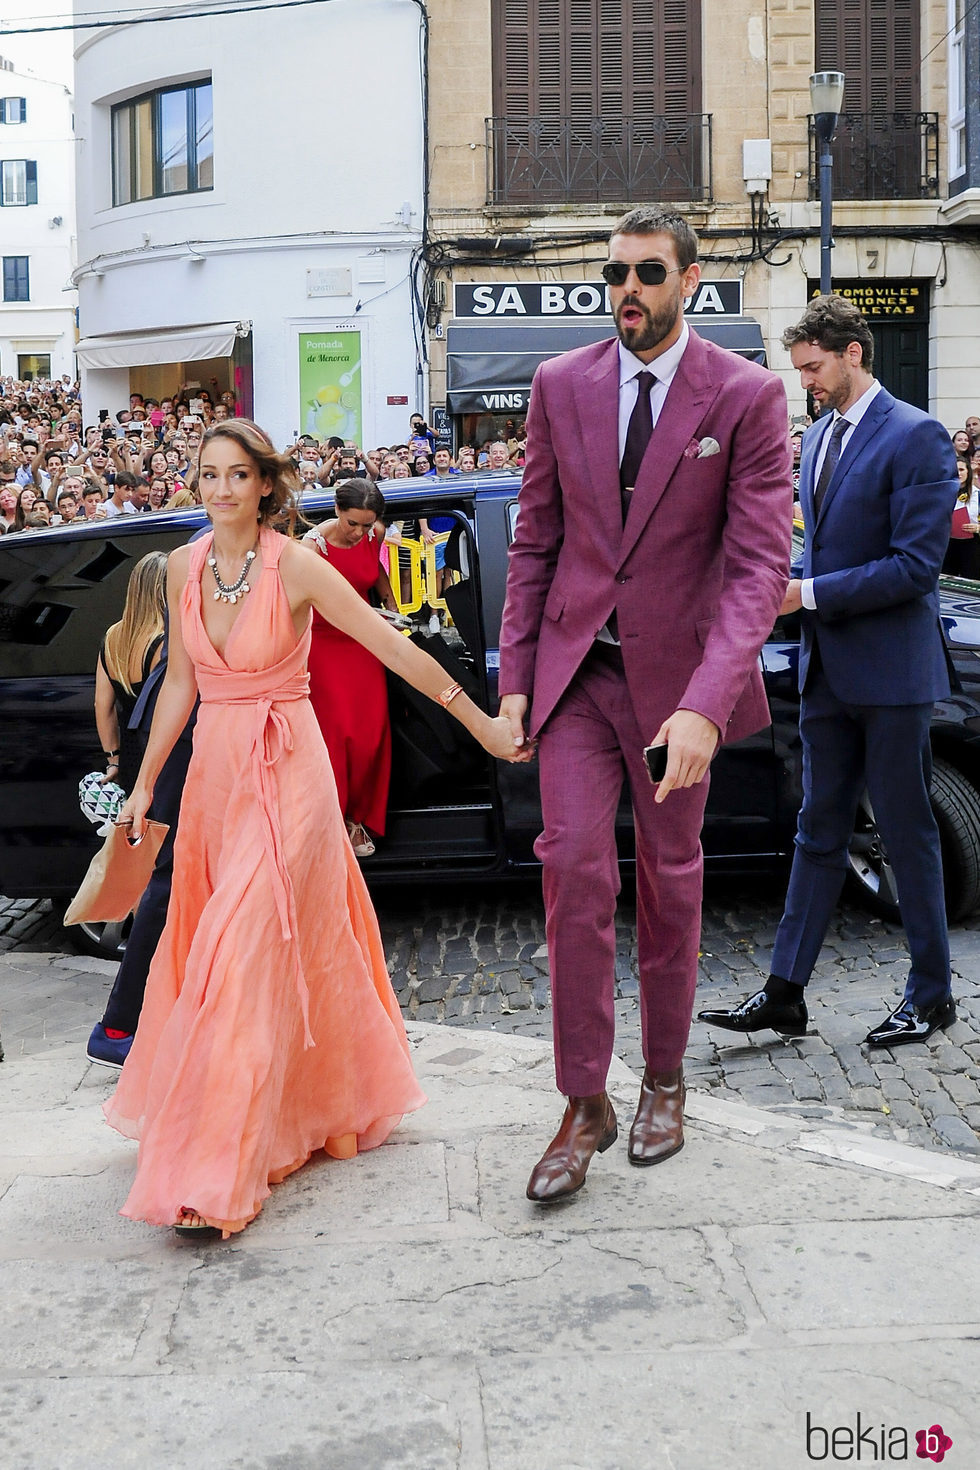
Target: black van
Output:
[(453, 812)]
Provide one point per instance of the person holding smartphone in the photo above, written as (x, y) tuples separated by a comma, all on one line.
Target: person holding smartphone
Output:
[(632, 623)]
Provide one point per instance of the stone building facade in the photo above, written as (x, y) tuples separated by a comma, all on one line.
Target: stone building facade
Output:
[(528, 168)]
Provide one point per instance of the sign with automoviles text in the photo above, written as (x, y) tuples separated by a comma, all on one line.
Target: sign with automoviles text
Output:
[(551, 300), (883, 299)]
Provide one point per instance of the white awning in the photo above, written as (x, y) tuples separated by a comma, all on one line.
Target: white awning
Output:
[(168, 344)]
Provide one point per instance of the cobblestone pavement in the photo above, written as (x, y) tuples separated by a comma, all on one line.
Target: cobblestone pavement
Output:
[(478, 958)]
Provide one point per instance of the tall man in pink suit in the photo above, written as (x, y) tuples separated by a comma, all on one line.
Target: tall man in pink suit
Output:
[(649, 563)]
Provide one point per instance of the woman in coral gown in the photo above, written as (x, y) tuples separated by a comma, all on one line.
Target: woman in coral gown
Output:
[(269, 1029), (348, 689)]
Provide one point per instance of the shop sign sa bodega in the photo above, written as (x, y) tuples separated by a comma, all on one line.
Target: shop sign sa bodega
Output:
[(510, 301)]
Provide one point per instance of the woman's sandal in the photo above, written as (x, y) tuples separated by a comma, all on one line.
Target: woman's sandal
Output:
[(200, 1231), (360, 841)]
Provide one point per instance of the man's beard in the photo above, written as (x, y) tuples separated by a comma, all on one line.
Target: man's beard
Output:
[(654, 329), (840, 392)]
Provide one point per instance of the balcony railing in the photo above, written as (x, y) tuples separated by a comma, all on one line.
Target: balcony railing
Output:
[(597, 160), (882, 155)]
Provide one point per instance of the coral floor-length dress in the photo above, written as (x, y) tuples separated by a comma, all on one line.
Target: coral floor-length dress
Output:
[(270, 1029), (349, 694)]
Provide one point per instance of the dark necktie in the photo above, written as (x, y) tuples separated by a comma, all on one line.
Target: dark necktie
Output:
[(830, 461), (638, 432), (637, 438)]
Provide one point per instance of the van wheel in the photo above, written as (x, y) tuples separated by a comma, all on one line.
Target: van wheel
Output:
[(105, 941), (956, 806)]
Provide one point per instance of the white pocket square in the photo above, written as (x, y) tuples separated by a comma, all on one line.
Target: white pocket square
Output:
[(708, 447)]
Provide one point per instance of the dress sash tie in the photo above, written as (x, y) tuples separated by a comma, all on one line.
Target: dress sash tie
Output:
[(272, 738)]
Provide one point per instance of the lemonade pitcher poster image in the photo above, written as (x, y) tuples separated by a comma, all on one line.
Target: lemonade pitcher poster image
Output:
[(330, 384)]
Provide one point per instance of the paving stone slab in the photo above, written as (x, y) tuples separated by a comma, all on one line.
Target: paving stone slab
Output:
[(373, 1418), (48, 1137), (337, 1304), (788, 1268), (737, 1408), (52, 1081), (73, 1212), (68, 1316), (714, 1180), (402, 1185)]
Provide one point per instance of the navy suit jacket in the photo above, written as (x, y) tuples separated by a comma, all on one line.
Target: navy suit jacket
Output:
[(874, 553)]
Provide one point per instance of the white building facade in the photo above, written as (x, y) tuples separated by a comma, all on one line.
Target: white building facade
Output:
[(249, 198), (37, 299)]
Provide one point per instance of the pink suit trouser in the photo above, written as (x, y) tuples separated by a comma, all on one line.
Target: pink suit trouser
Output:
[(587, 747)]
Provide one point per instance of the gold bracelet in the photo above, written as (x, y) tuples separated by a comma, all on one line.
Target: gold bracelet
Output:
[(448, 695)]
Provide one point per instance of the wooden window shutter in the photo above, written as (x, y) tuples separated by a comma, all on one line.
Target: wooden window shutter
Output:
[(613, 87), (581, 61), (548, 20), (681, 40), (514, 61), (597, 58), (893, 69), (875, 43)]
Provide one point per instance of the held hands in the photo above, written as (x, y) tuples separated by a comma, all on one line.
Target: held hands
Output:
[(692, 740), (513, 709), (499, 740)]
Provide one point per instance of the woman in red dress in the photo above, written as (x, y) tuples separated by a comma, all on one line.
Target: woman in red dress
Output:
[(347, 684)]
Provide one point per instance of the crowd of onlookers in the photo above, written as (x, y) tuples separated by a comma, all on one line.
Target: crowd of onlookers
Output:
[(963, 553), (57, 469)]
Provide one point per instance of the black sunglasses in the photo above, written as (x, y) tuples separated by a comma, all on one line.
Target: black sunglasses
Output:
[(649, 272)]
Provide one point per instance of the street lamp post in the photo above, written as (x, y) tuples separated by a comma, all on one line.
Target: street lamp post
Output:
[(826, 98)]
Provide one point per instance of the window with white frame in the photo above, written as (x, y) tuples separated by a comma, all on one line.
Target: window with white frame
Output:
[(957, 87), (18, 181), (13, 109), (162, 143)]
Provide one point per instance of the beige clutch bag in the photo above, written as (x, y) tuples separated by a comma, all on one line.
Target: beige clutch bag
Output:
[(117, 877)]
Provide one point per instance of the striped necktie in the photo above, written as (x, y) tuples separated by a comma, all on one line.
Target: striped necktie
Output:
[(830, 460)]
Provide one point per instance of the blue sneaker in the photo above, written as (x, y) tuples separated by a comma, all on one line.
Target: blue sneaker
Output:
[(106, 1051)]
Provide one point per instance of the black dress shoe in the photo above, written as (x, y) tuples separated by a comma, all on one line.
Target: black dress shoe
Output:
[(912, 1023), (788, 1017)]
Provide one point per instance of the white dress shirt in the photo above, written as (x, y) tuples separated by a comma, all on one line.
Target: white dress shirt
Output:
[(854, 415), (630, 367), (663, 368)]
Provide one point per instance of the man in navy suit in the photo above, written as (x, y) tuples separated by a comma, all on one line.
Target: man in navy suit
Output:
[(877, 486)]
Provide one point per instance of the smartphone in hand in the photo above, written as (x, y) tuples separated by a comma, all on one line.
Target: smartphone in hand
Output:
[(655, 757)]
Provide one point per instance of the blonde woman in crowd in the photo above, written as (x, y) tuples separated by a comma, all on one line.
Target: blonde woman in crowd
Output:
[(129, 651)]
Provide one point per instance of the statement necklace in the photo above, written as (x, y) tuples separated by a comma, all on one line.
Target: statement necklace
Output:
[(238, 588)]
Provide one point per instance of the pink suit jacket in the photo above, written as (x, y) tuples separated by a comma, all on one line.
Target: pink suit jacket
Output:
[(698, 573)]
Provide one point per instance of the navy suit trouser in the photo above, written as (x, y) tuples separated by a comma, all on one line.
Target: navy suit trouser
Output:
[(126, 999), (845, 747)]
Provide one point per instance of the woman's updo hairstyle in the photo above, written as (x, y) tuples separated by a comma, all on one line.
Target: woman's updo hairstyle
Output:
[(359, 494), (280, 503)]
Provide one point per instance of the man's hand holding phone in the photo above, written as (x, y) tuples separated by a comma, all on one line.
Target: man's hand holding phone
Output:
[(690, 741), (655, 757)]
